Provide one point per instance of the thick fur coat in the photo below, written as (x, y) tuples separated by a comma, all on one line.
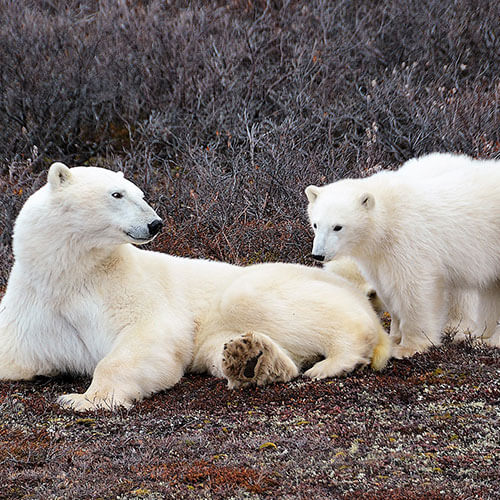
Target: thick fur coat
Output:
[(426, 236), (278, 318), (82, 299)]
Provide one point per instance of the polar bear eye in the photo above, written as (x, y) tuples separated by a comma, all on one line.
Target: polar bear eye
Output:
[(117, 195), (337, 228), (315, 226)]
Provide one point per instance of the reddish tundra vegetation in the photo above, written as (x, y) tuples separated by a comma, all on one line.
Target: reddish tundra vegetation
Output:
[(222, 112), (427, 426)]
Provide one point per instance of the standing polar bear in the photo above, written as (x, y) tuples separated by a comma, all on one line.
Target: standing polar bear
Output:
[(81, 298), (426, 236)]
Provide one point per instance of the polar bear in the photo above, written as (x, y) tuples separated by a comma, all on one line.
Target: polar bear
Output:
[(423, 235), (348, 269), (277, 318), (462, 302), (82, 298), (437, 164)]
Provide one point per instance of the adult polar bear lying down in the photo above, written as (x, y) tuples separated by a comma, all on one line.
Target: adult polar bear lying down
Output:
[(275, 318), (82, 299), (426, 236)]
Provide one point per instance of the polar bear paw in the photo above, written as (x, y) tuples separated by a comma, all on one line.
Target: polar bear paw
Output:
[(254, 359), (331, 367), (82, 402), (402, 351), (467, 336)]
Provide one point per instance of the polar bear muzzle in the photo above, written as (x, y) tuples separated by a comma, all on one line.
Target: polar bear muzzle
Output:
[(144, 233), (319, 258), (154, 227)]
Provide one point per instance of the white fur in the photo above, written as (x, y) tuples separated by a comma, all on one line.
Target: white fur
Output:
[(290, 316), (426, 236), (82, 299), (349, 269)]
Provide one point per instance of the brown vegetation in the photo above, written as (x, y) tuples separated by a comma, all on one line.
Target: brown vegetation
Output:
[(224, 111), (427, 426)]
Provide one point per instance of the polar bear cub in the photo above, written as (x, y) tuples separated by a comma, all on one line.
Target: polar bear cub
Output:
[(423, 235), (277, 318)]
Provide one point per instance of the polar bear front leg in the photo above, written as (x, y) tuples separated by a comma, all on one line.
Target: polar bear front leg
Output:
[(422, 320), (488, 315), (461, 309), (255, 359), (139, 365), (395, 329), (494, 340), (14, 363)]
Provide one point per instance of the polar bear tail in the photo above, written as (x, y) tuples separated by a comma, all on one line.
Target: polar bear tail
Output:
[(382, 351)]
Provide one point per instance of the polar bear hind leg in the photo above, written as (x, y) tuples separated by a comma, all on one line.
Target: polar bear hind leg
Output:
[(255, 359), (333, 366), (382, 352), (372, 347), (337, 363), (486, 305)]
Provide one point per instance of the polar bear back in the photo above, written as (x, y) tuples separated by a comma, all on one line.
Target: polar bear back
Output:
[(295, 305), (448, 217)]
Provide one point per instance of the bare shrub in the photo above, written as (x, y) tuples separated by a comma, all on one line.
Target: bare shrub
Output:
[(225, 111)]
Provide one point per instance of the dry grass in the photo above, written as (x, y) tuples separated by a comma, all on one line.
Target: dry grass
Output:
[(224, 111)]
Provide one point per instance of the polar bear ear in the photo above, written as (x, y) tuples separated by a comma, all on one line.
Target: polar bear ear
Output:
[(367, 201), (120, 173), (59, 175), (312, 193)]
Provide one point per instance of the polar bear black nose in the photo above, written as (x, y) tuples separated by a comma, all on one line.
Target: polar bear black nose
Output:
[(155, 226), (321, 258)]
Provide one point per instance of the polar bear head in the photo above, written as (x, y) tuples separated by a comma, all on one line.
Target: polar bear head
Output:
[(114, 208), (340, 214), (88, 206)]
